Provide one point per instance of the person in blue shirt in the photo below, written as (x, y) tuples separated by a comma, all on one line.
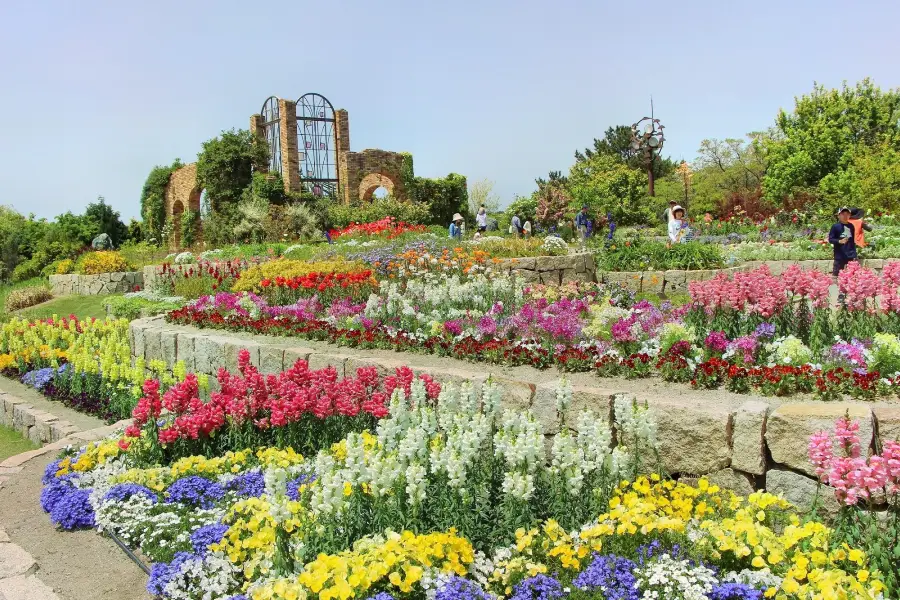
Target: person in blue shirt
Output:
[(515, 226), (841, 237), (456, 227), (583, 222)]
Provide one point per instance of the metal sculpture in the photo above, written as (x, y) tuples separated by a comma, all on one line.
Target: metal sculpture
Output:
[(318, 146), (272, 128), (647, 137)]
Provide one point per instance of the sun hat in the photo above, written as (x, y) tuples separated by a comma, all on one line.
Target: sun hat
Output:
[(857, 212), (676, 208), (673, 202), (842, 209), (457, 217)]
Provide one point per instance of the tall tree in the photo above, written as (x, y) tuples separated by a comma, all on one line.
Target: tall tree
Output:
[(481, 193), (616, 142), (823, 133), (107, 220), (225, 165)]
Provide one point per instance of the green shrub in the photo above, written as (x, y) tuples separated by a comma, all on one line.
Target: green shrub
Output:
[(341, 215), (26, 270), (141, 254), (25, 297), (132, 308), (639, 255)]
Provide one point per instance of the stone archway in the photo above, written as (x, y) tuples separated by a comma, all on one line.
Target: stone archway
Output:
[(372, 182), (183, 193)]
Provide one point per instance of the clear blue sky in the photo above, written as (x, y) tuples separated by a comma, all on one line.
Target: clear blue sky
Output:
[(94, 94)]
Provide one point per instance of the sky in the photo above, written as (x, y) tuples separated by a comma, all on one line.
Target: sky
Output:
[(95, 93)]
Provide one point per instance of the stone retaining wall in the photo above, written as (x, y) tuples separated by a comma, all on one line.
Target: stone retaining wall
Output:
[(39, 426), (742, 442), (95, 285), (580, 267)]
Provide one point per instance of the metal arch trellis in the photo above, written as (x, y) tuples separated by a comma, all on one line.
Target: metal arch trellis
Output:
[(272, 127), (316, 137)]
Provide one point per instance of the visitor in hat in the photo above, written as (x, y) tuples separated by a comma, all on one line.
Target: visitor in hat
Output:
[(859, 226), (456, 227), (676, 225), (842, 238), (667, 214), (583, 222)]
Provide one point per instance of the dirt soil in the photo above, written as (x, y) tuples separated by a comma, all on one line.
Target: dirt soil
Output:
[(78, 565)]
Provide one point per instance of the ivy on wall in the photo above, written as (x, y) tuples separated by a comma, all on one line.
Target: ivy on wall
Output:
[(153, 199), (447, 195)]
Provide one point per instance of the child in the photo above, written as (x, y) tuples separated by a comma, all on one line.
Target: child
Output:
[(675, 225), (841, 237)]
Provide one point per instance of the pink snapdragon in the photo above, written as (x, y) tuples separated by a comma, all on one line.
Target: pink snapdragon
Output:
[(841, 464), (859, 285)]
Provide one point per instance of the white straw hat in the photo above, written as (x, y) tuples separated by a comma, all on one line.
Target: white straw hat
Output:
[(457, 217)]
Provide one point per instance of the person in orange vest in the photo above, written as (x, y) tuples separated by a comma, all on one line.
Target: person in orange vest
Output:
[(859, 226)]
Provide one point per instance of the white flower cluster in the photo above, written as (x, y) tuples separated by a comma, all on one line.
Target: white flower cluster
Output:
[(210, 254), (184, 258), (153, 296), (635, 423), (555, 246), (761, 580), (437, 297), (207, 578), (667, 578), (576, 456), (520, 443)]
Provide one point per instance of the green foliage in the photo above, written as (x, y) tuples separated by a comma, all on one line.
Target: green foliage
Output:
[(407, 173), (107, 221), (142, 253), (445, 197), (524, 206), (605, 184), (190, 225), (821, 137), (296, 222), (153, 200), (726, 168), (132, 308), (638, 255), (341, 215), (225, 166), (26, 270), (269, 187), (871, 180), (250, 224)]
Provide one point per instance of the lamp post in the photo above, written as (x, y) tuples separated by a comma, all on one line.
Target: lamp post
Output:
[(647, 138)]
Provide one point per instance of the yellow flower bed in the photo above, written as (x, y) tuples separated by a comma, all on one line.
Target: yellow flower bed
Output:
[(102, 261), (250, 279), (400, 559)]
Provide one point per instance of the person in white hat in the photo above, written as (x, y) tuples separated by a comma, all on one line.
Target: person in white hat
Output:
[(675, 225), (456, 227)]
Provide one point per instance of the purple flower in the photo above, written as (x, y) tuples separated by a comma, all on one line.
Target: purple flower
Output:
[(207, 535), (56, 489), (765, 330), (381, 596), (612, 575), (162, 573), (716, 341), (195, 491), (293, 486), (304, 309), (487, 326), (39, 378), (50, 471), (251, 484), (852, 355), (343, 308), (72, 509), (124, 491), (453, 327), (460, 588), (539, 587), (734, 591)]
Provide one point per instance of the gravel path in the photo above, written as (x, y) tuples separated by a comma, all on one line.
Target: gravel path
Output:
[(38, 562)]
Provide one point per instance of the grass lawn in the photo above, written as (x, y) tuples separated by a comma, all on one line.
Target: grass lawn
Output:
[(82, 307), (12, 443)]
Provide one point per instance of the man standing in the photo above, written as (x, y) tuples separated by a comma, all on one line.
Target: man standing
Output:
[(515, 226), (841, 237), (583, 222), (667, 214)]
